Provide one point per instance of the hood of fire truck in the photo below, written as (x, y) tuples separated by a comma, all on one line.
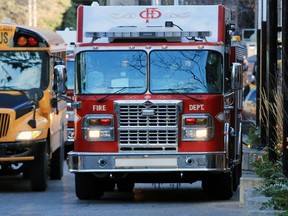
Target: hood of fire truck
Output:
[(20, 103)]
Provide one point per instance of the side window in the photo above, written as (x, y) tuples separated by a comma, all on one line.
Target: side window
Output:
[(227, 74)]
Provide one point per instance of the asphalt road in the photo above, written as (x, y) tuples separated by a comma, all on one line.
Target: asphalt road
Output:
[(170, 200)]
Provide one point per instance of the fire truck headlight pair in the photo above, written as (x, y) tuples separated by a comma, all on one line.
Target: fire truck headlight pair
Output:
[(197, 127), (28, 135), (196, 133), (98, 127)]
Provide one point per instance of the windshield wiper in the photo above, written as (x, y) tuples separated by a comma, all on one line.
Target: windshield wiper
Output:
[(176, 90), (118, 91)]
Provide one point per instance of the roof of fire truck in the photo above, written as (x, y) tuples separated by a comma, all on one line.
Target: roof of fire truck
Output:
[(174, 23)]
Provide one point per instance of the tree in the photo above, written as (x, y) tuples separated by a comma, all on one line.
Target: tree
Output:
[(49, 14)]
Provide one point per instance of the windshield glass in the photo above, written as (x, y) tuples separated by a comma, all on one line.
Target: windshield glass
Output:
[(111, 72), (185, 71), (22, 70), (70, 74)]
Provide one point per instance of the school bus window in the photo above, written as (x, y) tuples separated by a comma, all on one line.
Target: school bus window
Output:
[(23, 70)]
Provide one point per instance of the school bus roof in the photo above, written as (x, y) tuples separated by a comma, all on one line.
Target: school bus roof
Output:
[(50, 36)]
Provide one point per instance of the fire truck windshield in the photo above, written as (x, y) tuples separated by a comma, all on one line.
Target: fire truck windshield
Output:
[(110, 72), (185, 71), (22, 70), (125, 72)]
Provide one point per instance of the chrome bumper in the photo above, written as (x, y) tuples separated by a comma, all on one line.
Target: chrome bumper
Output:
[(112, 162)]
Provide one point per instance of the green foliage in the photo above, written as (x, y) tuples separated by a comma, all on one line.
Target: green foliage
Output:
[(49, 14), (254, 137), (69, 18), (275, 183)]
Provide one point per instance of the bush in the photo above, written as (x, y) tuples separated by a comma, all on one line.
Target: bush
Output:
[(275, 184)]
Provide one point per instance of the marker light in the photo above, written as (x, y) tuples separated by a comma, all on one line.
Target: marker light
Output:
[(190, 121), (32, 41), (105, 122), (196, 121), (22, 41)]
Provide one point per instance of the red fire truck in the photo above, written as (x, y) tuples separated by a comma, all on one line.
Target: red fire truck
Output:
[(158, 98)]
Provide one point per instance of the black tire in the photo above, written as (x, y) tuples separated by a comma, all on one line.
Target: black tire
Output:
[(57, 160), (236, 177), (125, 186), (219, 186), (109, 185), (56, 164), (88, 187), (39, 170)]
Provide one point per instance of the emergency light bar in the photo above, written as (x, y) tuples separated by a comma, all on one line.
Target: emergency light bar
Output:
[(148, 34)]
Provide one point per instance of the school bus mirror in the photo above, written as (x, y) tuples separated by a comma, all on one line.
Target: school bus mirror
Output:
[(60, 79)]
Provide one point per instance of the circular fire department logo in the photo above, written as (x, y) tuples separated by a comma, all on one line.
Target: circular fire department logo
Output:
[(150, 13)]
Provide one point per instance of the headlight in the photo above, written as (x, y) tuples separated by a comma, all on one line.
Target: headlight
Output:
[(98, 127), (28, 135), (197, 127)]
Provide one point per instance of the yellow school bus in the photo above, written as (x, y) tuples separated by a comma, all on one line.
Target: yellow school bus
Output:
[(33, 127)]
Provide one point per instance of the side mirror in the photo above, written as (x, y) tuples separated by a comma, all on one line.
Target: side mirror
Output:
[(236, 76), (60, 78)]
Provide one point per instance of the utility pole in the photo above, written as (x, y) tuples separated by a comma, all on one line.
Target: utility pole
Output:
[(285, 84), (272, 31), (262, 90), (32, 13)]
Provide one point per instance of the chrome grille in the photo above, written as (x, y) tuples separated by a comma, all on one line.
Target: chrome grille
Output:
[(149, 126), (4, 124)]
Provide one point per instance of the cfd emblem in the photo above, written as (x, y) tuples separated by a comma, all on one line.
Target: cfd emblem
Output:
[(150, 13)]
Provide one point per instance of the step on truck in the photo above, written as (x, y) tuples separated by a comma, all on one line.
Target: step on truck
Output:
[(158, 99)]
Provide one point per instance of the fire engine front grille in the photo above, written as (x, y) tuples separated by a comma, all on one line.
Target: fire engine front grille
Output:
[(148, 126), (4, 124)]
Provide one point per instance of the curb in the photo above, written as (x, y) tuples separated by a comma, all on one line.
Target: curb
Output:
[(253, 200)]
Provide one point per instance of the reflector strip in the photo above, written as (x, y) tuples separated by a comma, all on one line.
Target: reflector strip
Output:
[(27, 158), (145, 162)]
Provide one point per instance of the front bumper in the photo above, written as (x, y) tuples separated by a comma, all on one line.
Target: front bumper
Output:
[(20, 151), (120, 162)]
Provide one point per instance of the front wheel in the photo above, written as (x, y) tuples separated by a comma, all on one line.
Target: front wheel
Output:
[(39, 169), (56, 164), (219, 186), (125, 186), (88, 187), (57, 160)]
